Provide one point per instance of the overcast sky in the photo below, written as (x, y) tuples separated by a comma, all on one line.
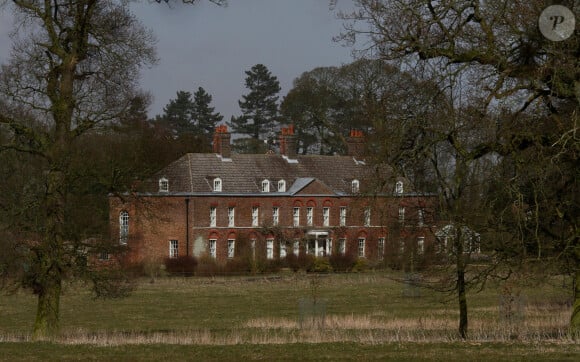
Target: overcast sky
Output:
[(211, 47)]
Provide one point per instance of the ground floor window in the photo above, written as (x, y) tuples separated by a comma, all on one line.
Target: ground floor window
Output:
[(296, 247), (282, 249), (213, 248), (231, 248), (381, 248), (103, 255), (342, 246), (420, 244), (269, 249), (361, 247), (173, 248)]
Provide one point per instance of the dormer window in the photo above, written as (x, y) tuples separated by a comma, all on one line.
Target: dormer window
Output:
[(355, 185), (281, 186), (217, 184), (399, 187), (163, 185), (265, 186)]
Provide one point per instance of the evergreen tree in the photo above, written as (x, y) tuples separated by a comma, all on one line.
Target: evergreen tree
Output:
[(260, 106), (177, 115), (204, 116)]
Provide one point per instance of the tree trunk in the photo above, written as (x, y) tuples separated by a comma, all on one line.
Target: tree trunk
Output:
[(575, 319), (46, 325), (461, 294)]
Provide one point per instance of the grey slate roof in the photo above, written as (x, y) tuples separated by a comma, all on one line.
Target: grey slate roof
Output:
[(243, 173)]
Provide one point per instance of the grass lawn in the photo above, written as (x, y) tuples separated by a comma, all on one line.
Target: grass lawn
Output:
[(354, 316)]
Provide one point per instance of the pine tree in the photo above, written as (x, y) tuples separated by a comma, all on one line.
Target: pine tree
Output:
[(203, 115), (260, 106), (178, 113)]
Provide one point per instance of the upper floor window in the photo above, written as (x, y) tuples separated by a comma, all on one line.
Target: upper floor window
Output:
[(163, 185), (265, 186), (309, 216), (275, 215), (399, 187), (282, 186), (343, 216), (217, 184), (123, 227), (213, 216), (355, 186), (173, 248), (296, 216), (326, 216), (231, 216), (401, 214), (255, 216)]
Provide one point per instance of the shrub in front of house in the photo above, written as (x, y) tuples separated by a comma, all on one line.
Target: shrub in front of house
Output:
[(342, 262), (322, 265), (360, 265), (239, 266), (207, 267), (303, 262), (181, 266)]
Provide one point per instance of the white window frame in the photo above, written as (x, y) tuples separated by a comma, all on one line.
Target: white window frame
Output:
[(343, 216), (213, 248), (212, 216), (420, 245), (231, 216), (163, 185), (401, 214), (275, 215), (381, 248), (420, 218), (123, 227), (361, 247), (309, 216), (282, 249), (399, 187), (296, 216), (270, 249), (173, 248), (326, 216), (367, 215), (355, 186), (281, 186), (342, 246), (296, 247), (231, 248), (265, 185), (103, 256), (255, 216), (217, 184)]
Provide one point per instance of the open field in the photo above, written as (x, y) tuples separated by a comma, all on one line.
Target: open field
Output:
[(363, 316)]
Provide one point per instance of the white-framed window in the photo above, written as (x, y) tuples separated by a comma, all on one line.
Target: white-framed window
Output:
[(213, 248), (217, 184), (123, 227), (173, 248), (213, 216), (163, 185), (265, 186), (282, 249), (367, 216), (420, 244), (281, 186), (401, 214), (231, 216), (402, 246), (296, 216), (381, 248), (296, 247), (326, 216), (361, 247), (275, 215), (343, 216), (329, 246), (399, 187), (309, 216), (270, 249), (253, 246), (255, 216), (342, 246), (420, 218), (103, 255), (355, 186), (231, 248)]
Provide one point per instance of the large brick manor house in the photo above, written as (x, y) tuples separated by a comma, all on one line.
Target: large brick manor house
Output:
[(222, 204)]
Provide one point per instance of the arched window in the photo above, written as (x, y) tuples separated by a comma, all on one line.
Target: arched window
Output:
[(282, 186), (163, 185), (399, 187), (217, 184), (355, 185), (123, 227), (265, 186)]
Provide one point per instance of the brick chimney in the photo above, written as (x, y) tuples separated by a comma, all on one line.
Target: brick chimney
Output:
[(221, 141), (288, 142), (356, 143)]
